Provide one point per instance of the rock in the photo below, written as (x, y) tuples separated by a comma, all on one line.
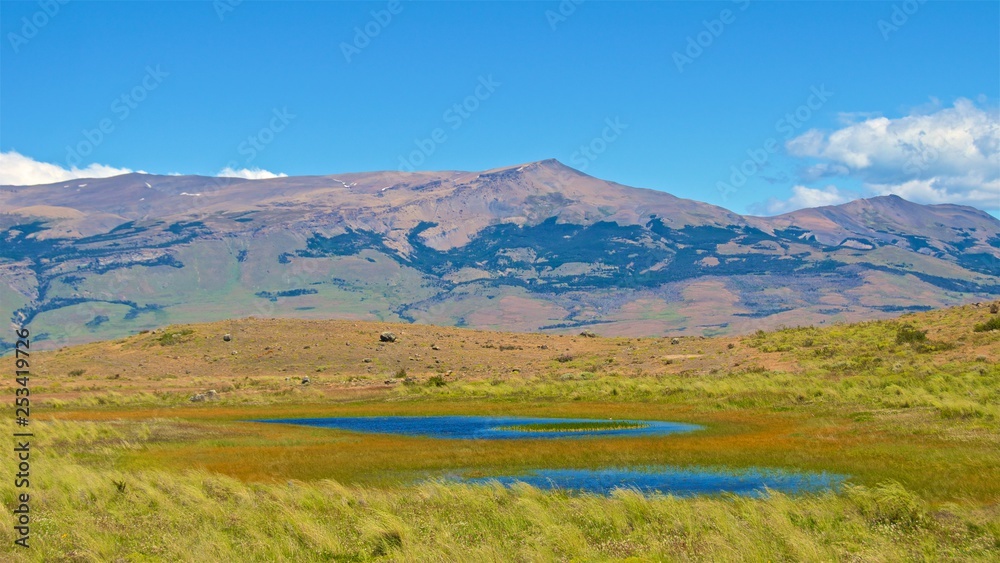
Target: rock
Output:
[(227, 337), (212, 394), (305, 380), (588, 334), (387, 337), (674, 341), (994, 308), (435, 347), (367, 360), (197, 398)]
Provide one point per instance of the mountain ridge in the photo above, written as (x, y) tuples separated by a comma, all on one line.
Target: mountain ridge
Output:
[(534, 246)]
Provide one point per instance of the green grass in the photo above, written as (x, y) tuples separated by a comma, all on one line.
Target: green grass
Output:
[(91, 510), (992, 324), (908, 409)]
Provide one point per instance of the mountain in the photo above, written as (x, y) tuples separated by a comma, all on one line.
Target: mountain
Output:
[(538, 246)]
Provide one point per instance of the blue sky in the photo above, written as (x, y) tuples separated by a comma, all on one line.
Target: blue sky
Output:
[(818, 103)]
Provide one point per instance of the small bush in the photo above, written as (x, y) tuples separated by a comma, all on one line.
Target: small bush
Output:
[(436, 381), (174, 337), (906, 334), (400, 373), (992, 324), (889, 504), (77, 372), (563, 358)]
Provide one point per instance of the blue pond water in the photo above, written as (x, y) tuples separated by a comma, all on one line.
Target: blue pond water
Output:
[(668, 480), (481, 427)]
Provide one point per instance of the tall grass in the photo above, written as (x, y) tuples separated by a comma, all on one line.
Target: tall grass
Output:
[(910, 409), (87, 513)]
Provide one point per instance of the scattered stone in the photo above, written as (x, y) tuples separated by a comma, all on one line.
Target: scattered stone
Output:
[(588, 334), (305, 380), (387, 337), (197, 397), (674, 341), (234, 352), (212, 394), (227, 337), (994, 308), (435, 347), (367, 360)]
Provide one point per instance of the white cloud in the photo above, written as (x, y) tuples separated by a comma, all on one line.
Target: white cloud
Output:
[(802, 197), (973, 191), (934, 155), (249, 174), (19, 170)]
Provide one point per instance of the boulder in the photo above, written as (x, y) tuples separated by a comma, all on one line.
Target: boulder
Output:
[(227, 337), (387, 337)]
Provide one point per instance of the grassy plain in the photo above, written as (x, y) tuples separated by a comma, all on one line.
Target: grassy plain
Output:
[(129, 468)]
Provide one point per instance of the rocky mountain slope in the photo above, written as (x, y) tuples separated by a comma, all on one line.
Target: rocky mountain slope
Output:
[(538, 246)]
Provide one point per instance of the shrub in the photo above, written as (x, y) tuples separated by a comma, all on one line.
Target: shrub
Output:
[(77, 372), (436, 381), (889, 504), (992, 324), (400, 373), (174, 337), (563, 358), (906, 334)]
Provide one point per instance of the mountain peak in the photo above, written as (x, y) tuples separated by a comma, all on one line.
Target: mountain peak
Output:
[(549, 164)]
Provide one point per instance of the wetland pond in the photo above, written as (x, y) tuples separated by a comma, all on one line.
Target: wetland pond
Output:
[(493, 427), (665, 480)]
